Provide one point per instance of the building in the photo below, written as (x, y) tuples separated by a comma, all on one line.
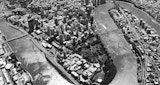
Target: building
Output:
[(98, 2)]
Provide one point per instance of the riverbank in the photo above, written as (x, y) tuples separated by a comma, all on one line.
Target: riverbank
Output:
[(50, 59), (33, 59), (124, 60), (140, 14)]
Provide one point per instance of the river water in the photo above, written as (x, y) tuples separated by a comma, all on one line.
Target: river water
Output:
[(125, 61), (45, 74), (122, 78), (141, 14), (33, 60), (118, 48)]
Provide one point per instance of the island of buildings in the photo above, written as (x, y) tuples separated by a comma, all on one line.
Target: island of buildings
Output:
[(144, 42), (149, 6)]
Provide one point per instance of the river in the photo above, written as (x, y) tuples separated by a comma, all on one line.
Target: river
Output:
[(33, 60), (124, 60), (44, 74), (113, 40), (122, 78), (141, 14)]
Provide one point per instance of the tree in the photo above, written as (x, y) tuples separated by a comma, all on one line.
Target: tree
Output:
[(31, 24), (74, 42), (67, 37), (56, 22), (61, 39), (102, 1), (86, 2), (24, 3), (77, 33), (110, 72)]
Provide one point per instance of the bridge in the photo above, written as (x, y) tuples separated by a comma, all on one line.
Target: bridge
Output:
[(15, 38), (50, 57)]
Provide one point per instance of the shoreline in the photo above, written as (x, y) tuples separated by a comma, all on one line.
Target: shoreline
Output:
[(140, 9), (125, 61), (56, 68), (60, 72)]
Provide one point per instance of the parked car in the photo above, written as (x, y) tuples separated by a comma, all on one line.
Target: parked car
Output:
[(38, 31), (46, 45), (2, 63)]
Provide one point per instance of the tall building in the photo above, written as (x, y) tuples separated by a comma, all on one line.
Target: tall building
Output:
[(98, 2), (86, 2), (50, 32), (95, 3), (102, 1)]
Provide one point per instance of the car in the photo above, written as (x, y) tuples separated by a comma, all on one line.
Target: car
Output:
[(9, 66), (2, 63), (156, 82), (139, 79), (1, 51), (46, 45), (74, 74), (38, 31), (7, 77), (98, 81)]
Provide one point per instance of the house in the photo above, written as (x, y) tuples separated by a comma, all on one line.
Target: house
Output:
[(1, 50), (2, 62)]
